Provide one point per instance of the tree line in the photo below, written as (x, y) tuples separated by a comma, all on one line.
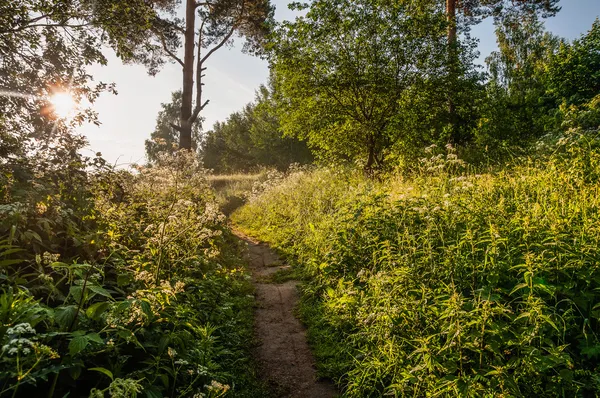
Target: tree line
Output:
[(366, 82)]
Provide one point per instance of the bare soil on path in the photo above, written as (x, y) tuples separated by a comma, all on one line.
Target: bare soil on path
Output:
[(285, 360)]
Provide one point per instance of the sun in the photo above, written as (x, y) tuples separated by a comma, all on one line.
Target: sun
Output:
[(63, 104)]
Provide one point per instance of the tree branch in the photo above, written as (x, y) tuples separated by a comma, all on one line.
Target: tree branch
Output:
[(26, 24), (227, 37), (199, 67), (45, 25), (176, 127), (221, 44), (171, 24), (169, 52)]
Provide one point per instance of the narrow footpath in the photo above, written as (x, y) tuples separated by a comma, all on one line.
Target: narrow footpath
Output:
[(285, 360)]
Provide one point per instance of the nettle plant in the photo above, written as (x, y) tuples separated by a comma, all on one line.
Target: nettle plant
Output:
[(449, 283)]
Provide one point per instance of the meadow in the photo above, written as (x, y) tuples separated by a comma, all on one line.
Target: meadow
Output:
[(442, 214), (232, 190)]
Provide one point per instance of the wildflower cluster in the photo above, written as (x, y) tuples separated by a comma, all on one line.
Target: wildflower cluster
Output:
[(438, 161), (18, 343)]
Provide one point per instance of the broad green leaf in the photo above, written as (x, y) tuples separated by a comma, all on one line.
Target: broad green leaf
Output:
[(147, 309), (153, 392), (95, 310), (99, 290), (11, 251), (124, 279), (163, 343), (549, 321), (165, 379), (7, 263), (78, 344), (59, 264), (95, 337), (566, 374), (104, 371), (65, 315), (76, 291), (75, 372)]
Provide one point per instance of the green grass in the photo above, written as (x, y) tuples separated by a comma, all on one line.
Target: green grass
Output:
[(232, 190), (447, 283), (284, 275)]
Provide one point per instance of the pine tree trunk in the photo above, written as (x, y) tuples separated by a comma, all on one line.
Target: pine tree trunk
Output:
[(185, 134), (451, 17), (452, 62)]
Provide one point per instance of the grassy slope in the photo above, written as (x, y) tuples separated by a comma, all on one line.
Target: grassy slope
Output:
[(447, 284)]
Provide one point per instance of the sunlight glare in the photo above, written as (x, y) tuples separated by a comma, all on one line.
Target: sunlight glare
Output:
[(63, 104)]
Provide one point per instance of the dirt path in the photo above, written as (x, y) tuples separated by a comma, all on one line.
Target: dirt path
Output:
[(285, 359)]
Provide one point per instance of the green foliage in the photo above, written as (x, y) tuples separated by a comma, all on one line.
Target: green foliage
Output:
[(162, 35), (154, 33), (114, 283), (574, 73), (46, 47), (442, 282), (251, 139), (341, 70), (501, 9), (111, 282), (371, 82), (449, 283), (516, 110), (534, 79)]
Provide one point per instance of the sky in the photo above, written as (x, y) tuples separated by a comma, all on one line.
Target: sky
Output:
[(128, 119)]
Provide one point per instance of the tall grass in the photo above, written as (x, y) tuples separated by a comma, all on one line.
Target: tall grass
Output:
[(448, 283), (231, 190)]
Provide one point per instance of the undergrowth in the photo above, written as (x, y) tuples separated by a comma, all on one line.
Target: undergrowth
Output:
[(120, 284), (448, 282)]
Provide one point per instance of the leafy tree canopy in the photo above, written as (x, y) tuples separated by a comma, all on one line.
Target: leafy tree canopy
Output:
[(45, 47), (341, 70), (574, 74), (516, 107), (252, 138), (474, 10)]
